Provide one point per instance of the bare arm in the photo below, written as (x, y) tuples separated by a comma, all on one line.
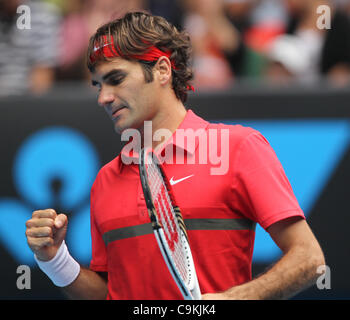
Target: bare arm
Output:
[(45, 233), (295, 271)]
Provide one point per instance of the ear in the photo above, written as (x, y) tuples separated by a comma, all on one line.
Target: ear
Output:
[(163, 68)]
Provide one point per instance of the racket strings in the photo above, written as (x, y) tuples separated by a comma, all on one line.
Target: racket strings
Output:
[(176, 245), (168, 220)]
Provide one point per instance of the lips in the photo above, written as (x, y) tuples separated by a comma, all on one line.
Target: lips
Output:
[(117, 111)]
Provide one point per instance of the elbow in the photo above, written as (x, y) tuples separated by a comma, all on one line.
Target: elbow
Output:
[(318, 257), (322, 259), (311, 254), (317, 262)]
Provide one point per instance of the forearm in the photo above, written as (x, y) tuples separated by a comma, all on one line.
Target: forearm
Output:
[(295, 271), (89, 285)]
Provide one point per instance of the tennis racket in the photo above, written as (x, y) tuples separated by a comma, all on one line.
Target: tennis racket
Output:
[(168, 225)]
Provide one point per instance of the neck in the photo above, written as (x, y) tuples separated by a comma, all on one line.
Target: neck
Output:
[(166, 121)]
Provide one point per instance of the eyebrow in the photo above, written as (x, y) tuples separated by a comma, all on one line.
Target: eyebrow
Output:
[(108, 75)]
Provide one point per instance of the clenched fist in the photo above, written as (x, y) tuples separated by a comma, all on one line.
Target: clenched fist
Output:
[(45, 232)]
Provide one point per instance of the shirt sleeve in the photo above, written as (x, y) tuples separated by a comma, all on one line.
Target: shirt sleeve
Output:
[(261, 189), (99, 255)]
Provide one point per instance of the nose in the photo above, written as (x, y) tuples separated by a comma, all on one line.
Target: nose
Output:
[(105, 97)]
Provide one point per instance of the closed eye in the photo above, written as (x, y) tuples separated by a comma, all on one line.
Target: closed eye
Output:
[(114, 81), (114, 77)]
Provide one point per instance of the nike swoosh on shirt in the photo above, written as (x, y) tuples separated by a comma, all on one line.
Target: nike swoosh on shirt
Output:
[(173, 182)]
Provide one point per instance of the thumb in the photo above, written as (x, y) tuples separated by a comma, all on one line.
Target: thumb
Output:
[(61, 222)]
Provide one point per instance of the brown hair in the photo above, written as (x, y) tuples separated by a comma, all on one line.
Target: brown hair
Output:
[(135, 33)]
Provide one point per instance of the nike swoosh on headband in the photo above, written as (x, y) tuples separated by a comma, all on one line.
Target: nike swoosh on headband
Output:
[(105, 45)]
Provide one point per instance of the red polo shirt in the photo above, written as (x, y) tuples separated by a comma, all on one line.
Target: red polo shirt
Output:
[(225, 181)]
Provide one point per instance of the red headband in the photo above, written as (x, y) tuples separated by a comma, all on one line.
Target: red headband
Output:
[(108, 50)]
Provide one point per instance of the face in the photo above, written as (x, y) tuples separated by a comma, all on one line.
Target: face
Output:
[(124, 94)]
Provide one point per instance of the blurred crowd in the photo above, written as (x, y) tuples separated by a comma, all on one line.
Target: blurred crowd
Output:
[(273, 41)]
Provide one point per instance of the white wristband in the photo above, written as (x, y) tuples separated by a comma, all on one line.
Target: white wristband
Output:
[(62, 269)]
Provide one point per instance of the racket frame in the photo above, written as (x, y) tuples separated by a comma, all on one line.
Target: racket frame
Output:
[(188, 294)]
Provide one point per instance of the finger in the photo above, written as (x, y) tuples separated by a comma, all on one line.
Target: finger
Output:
[(61, 220), (48, 213), (39, 232), (42, 222), (38, 243)]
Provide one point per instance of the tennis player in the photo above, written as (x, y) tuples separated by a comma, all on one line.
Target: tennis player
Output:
[(141, 67)]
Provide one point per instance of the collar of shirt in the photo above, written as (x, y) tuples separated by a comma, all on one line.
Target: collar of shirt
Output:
[(178, 140)]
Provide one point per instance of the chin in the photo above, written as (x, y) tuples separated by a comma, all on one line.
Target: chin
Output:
[(118, 130), (123, 124), (120, 127)]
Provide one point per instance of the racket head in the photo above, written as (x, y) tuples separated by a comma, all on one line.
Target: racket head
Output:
[(167, 222)]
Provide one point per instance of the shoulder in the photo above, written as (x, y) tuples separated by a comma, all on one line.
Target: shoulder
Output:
[(107, 172), (237, 134)]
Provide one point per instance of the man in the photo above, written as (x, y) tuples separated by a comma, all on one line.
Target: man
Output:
[(140, 64), (28, 41)]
